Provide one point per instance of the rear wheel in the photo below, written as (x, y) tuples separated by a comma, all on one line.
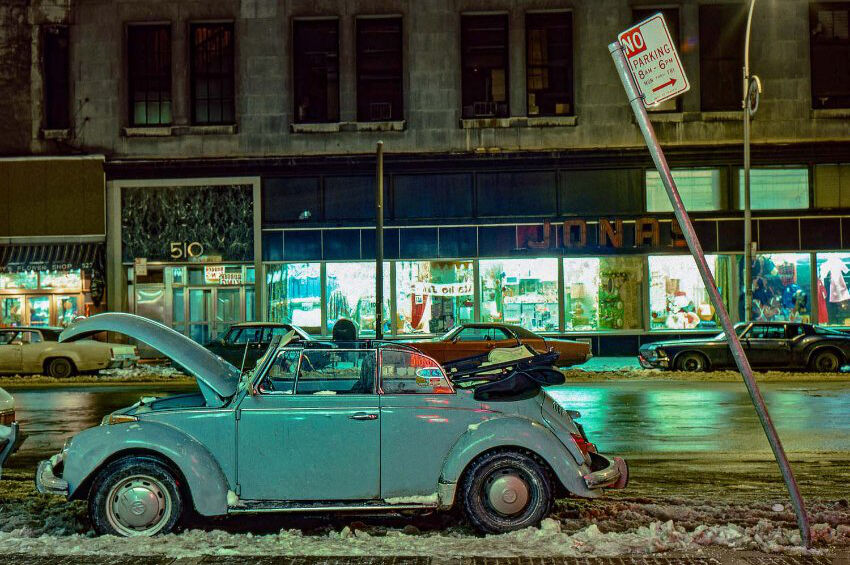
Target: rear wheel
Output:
[(825, 362), (60, 368), (136, 496), (691, 361), (506, 491)]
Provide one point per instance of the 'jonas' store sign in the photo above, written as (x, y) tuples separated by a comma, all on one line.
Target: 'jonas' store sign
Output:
[(603, 235)]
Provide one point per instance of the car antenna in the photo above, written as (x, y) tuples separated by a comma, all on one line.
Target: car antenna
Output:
[(244, 356)]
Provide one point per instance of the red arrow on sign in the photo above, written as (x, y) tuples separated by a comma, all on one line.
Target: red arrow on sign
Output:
[(670, 82)]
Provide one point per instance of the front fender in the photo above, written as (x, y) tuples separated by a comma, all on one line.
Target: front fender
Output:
[(516, 432), (91, 448)]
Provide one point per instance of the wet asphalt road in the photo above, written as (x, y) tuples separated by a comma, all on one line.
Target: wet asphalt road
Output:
[(639, 418)]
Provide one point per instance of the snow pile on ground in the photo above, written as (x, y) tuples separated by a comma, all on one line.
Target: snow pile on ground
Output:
[(140, 373), (143, 371), (548, 540)]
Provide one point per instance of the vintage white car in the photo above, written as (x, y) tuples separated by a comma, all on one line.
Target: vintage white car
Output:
[(10, 435), (28, 350)]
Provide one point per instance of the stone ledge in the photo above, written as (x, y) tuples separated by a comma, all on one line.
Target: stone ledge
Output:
[(156, 131), (389, 125), (831, 114), (331, 127), (519, 122), (666, 117), (551, 121), (223, 129), (56, 133), (728, 116)]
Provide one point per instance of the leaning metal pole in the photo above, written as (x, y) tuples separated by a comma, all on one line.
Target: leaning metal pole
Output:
[(696, 250), (379, 244), (748, 221)]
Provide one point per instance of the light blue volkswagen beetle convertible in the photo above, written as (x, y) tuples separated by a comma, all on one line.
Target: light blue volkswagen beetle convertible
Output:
[(325, 427)]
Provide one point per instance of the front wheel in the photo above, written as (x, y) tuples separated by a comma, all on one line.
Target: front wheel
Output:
[(506, 491), (136, 496), (825, 362), (691, 362)]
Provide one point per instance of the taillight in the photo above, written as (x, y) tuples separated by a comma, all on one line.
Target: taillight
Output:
[(584, 446), (6, 418)]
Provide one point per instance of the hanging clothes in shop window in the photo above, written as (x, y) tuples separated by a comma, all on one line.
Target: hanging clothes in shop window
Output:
[(834, 268)]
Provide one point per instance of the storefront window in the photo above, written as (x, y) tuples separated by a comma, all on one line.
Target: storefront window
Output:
[(69, 308), (250, 299), (520, 291), (433, 296), (295, 295), (833, 298), (781, 287), (60, 279), (39, 308), (700, 189), (677, 296), (11, 312), (351, 295), (775, 189), (13, 281), (604, 293)]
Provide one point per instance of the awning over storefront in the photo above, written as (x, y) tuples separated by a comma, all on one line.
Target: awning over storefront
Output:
[(50, 257)]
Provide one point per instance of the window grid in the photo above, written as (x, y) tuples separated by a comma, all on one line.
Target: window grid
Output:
[(149, 74), (212, 62), (830, 54), (484, 66), (57, 89), (379, 69), (549, 64), (315, 48)]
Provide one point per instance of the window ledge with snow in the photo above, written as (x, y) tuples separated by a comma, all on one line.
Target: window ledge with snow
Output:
[(725, 116), (519, 122), (146, 131), (56, 133), (831, 114), (217, 129), (325, 127)]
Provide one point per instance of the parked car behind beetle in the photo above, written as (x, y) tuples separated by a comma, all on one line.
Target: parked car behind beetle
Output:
[(245, 343), (37, 350), (11, 436), (361, 426), (768, 345)]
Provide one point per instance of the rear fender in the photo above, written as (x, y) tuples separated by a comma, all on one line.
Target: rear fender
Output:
[(508, 432), (92, 448)]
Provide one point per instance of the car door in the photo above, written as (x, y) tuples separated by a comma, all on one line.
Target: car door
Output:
[(10, 351), (312, 430), (767, 346), (468, 342), (32, 349), (421, 419)]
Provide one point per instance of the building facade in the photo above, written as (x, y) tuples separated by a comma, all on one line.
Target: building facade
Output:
[(239, 140)]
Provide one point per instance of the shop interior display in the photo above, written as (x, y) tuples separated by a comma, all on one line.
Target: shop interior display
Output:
[(434, 296), (581, 301), (677, 295), (520, 291), (781, 287), (620, 296), (833, 297)]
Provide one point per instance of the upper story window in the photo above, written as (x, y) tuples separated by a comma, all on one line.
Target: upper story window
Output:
[(700, 189), (57, 87), (549, 63), (830, 54), (212, 69), (484, 65), (671, 17), (315, 48), (721, 53), (149, 74), (776, 189), (379, 69)]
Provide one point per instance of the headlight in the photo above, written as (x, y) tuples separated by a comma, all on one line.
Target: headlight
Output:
[(660, 353), (112, 419)]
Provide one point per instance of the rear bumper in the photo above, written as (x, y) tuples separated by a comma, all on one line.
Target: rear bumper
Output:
[(609, 473), (123, 361), (46, 480), (10, 442)]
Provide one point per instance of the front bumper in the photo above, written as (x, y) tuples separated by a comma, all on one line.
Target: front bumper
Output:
[(46, 480), (607, 473), (654, 363), (10, 442)]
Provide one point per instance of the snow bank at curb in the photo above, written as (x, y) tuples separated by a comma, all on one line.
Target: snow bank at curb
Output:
[(548, 540)]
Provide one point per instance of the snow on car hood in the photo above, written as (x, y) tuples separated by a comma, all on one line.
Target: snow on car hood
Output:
[(217, 378)]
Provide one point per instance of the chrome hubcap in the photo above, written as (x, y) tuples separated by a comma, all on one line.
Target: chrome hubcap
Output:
[(508, 494), (138, 506)]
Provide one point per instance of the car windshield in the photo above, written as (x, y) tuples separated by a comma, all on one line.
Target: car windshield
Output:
[(828, 331)]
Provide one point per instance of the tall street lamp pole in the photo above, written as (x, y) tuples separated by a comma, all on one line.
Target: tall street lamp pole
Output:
[(749, 105)]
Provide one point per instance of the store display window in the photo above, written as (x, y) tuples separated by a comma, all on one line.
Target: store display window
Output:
[(678, 299), (351, 294), (11, 311), (520, 291), (69, 309), (294, 295), (27, 280), (781, 288), (603, 293), (69, 280), (775, 189), (832, 297), (700, 189), (433, 296)]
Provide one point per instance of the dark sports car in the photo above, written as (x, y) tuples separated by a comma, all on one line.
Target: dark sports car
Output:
[(245, 343), (769, 345)]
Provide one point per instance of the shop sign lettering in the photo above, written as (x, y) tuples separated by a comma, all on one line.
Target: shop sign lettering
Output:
[(186, 249), (229, 279), (610, 234), (213, 273), (140, 266), (449, 289)]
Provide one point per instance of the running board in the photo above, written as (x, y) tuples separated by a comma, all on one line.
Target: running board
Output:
[(261, 506)]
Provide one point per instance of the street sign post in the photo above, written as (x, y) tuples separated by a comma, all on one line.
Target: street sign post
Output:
[(654, 61), (638, 55)]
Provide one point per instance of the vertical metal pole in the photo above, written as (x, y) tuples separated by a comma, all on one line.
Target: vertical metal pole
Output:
[(696, 250), (379, 245), (748, 221)]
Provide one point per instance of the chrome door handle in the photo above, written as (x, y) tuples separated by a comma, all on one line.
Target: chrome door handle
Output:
[(363, 416)]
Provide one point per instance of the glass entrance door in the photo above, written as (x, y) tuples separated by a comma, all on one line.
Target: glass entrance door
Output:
[(227, 309), (67, 309), (200, 314), (11, 311), (39, 310)]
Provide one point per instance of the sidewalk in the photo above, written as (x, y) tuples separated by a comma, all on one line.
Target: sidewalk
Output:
[(728, 557)]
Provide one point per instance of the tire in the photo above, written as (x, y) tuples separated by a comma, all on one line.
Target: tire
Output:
[(827, 361), (135, 496), (506, 491), (60, 368), (691, 361)]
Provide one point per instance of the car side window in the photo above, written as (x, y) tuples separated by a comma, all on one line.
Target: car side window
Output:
[(767, 332), (793, 330), (334, 371), (249, 335), (406, 372), (7, 337), (499, 333), (472, 334), (282, 373)]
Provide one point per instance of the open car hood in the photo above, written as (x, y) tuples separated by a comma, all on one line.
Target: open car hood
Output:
[(217, 379)]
